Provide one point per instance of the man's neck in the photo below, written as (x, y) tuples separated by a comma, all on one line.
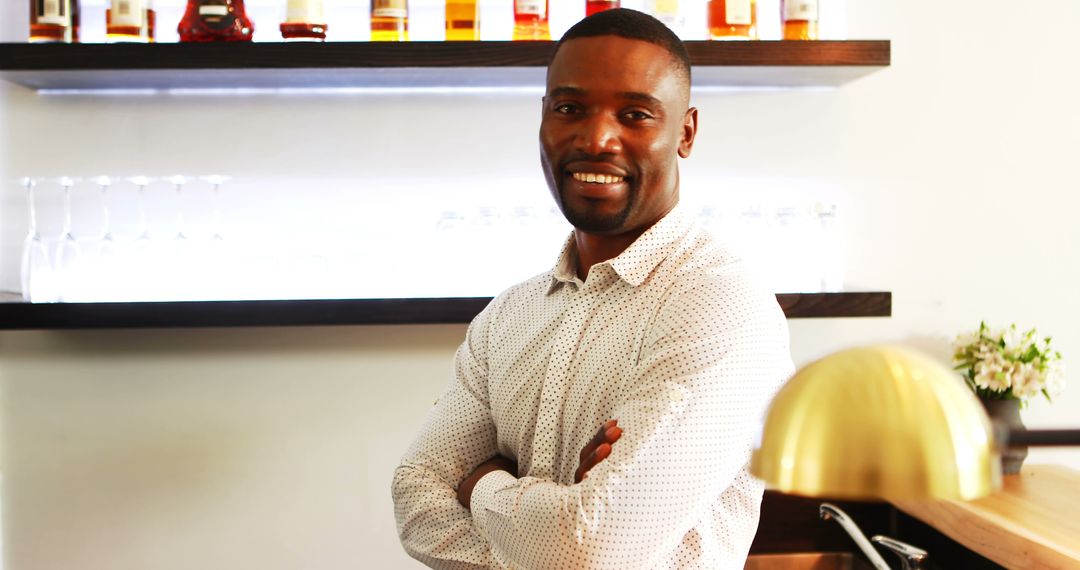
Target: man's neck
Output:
[(594, 248)]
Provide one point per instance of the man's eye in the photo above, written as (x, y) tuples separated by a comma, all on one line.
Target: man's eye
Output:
[(564, 108), (637, 115)]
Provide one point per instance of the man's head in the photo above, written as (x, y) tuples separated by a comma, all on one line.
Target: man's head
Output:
[(616, 117)]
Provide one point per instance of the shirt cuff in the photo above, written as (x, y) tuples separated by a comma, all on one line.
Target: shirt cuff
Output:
[(482, 502)]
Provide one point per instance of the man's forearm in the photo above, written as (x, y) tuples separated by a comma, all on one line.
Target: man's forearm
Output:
[(432, 526)]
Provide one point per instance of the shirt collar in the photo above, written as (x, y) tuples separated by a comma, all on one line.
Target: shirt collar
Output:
[(636, 262)]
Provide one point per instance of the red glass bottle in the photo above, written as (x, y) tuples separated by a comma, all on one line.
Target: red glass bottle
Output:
[(594, 6), (531, 20), (215, 21)]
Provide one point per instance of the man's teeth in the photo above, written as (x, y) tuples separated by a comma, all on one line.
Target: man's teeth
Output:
[(596, 178)]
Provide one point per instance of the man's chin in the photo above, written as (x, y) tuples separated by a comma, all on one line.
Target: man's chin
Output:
[(596, 223)]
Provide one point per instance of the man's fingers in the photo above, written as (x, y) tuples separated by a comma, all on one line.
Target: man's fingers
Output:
[(609, 432), (601, 453)]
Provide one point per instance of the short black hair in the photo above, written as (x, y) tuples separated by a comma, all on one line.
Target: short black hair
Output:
[(632, 25)]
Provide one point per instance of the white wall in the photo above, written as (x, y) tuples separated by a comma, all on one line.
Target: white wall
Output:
[(273, 448)]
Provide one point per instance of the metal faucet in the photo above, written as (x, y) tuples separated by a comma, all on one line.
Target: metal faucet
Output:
[(911, 558)]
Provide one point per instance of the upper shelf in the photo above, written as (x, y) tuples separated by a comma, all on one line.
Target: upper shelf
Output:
[(407, 64), (15, 316)]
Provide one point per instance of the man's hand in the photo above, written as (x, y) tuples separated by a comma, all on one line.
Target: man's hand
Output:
[(497, 463), (597, 449)]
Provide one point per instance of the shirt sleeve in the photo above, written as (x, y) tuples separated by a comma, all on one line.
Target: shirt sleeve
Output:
[(706, 371), (458, 435)]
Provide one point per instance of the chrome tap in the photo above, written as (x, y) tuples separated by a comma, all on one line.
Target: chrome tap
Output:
[(831, 511), (911, 558)]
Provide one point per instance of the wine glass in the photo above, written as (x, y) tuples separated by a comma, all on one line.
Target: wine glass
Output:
[(68, 250), (34, 267)]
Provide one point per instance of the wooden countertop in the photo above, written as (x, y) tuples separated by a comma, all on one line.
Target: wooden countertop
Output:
[(1032, 522)]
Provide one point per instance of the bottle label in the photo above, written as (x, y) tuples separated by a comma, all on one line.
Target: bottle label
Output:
[(56, 12), (737, 13), (531, 7), (305, 12), (213, 10), (801, 10), (389, 9), (126, 13)]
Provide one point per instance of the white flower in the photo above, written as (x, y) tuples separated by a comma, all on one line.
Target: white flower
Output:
[(990, 372), (1014, 339), (1055, 378), (1026, 380)]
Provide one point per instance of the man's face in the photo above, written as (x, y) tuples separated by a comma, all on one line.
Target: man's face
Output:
[(615, 120)]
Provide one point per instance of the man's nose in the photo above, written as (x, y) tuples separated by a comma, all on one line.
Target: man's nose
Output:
[(599, 134)]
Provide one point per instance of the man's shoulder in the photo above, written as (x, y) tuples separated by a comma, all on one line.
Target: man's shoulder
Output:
[(520, 295), (708, 276)]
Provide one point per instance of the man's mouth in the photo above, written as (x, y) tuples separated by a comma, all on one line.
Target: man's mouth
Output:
[(596, 177)]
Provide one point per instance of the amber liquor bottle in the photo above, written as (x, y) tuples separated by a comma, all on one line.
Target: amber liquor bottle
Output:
[(304, 21), (732, 19), (800, 19), (215, 21), (389, 20), (531, 20), (129, 21), (594, 6), (54, 21), (462, 20)]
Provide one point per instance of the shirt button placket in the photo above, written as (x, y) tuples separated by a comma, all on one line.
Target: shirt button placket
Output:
[(563, 347)]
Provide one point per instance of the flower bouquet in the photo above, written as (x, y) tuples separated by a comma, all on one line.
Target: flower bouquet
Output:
[(1009, 364), (1006, 368)]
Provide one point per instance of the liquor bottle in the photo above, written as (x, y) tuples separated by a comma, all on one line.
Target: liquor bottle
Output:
[(462, 20), (594, 6), (130, 21), (215, 21), (304, 21), (733, 19), (389, 20), (800, 19), (667, 11), (54, 21), (531, 20)]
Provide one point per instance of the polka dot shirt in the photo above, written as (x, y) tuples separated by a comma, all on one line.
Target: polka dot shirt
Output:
[(670, 338)]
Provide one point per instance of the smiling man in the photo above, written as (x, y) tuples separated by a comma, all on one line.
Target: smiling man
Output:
[(602, 413)]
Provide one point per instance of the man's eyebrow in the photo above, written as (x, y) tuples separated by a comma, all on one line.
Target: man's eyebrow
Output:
[(642, 97), (564, 91)]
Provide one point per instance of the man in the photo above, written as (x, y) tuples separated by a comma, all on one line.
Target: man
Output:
[(602, 413)]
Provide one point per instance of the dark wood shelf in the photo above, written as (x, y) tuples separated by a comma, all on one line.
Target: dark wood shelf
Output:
[(409, 64), (23, 316)]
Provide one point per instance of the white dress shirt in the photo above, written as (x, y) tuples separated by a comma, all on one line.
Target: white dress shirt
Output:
[(672, 339)]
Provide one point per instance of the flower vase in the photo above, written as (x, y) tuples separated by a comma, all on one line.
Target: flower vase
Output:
[(1007, 411)]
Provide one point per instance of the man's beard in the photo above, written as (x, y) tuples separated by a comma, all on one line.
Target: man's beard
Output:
[(593, 222)]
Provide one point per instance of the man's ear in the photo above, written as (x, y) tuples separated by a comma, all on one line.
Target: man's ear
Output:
[(689, 131)]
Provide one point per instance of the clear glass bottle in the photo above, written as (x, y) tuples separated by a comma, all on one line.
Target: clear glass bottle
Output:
[(595, 6), (54, 21), (800, 19), (130, 21), (462, 20), (389, 20), (215, 21), (531, 20), (667, 11), (733, 19), (304, 21)]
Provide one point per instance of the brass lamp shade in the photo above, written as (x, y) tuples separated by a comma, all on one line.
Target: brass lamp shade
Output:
[(878, 422)]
